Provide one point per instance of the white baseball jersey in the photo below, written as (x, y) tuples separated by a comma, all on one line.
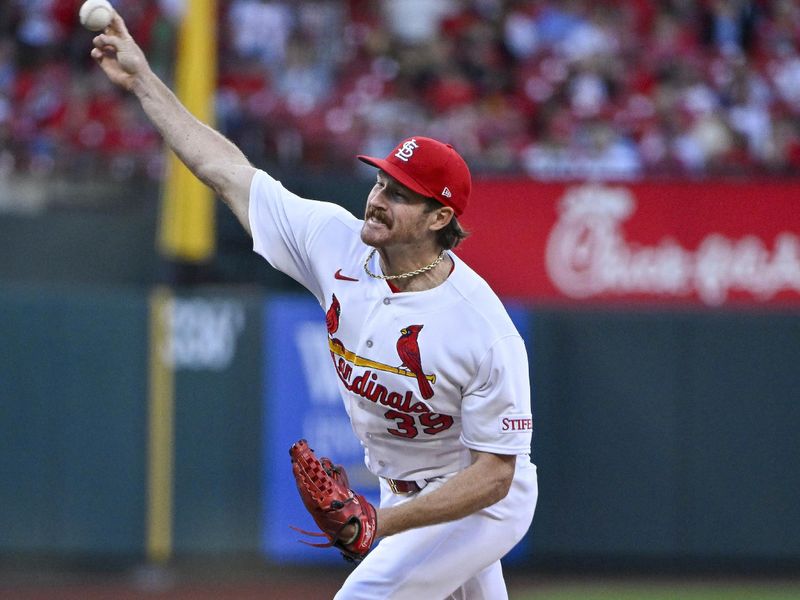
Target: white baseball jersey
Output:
[(425, 376)]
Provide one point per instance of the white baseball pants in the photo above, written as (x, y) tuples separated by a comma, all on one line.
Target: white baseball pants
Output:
[(458, 560)]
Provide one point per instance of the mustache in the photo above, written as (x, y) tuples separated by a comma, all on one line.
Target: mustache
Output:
[(377, 214)]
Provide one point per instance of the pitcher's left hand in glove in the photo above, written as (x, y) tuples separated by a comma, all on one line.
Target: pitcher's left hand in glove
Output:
[(325, 491)]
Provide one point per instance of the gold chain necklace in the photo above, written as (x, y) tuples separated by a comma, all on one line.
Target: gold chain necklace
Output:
[(402, 275)]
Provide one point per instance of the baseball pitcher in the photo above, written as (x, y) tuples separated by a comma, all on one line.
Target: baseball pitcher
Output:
[(431, 370)]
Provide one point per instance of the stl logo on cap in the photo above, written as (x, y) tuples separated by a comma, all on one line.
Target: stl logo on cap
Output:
[(406, 150)]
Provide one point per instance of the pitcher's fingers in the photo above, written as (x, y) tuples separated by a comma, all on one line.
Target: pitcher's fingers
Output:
[(97, 54), (103, 40), (117, 25)]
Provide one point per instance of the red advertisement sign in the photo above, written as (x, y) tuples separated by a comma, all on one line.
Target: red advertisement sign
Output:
[(713, 244)]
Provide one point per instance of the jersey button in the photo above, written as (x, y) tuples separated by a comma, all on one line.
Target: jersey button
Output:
[(369, 343), (387, 301), (381, 463)]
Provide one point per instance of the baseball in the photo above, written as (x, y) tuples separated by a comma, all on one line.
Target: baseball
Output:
[(95, 15)]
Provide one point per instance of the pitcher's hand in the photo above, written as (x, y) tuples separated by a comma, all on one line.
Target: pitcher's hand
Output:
[(118, 55)]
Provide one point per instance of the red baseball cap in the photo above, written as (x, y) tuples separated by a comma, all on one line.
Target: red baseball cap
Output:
[(430, 168)]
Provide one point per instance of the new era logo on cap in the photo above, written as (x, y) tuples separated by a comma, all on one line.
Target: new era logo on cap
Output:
[(426, 166)]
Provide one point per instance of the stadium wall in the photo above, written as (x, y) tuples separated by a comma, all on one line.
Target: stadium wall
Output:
[(662, 437)]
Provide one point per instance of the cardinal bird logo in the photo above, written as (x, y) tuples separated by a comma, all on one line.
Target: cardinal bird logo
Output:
[(332, 316), (408, 350)]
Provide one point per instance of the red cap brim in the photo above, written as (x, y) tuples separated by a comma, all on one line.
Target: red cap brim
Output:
[(397, 173)]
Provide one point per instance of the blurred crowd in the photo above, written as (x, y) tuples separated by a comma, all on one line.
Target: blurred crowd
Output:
[(556, 89)]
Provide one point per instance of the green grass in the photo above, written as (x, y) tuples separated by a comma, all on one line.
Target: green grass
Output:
[(661, 591)]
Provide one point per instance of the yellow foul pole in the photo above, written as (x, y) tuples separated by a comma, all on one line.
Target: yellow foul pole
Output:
[(187, 234), (161, 431), (187, 227)]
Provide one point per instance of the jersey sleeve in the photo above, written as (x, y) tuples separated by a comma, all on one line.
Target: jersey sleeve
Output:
[(496, 407), (286, 227)]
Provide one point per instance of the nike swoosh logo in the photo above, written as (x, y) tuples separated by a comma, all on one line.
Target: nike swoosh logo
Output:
[(338, 275)]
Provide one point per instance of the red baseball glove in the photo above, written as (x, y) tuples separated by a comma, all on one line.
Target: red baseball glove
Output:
[(325, 491)]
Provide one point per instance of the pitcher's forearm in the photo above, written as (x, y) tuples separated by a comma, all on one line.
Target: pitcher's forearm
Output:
[(196, 144), (482, 484), (208, 154)]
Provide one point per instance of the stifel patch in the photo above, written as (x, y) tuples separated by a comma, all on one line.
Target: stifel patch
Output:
[(516, 423)]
